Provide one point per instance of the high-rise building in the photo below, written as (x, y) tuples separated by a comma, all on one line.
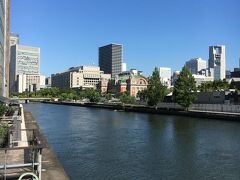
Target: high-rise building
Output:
[(124, 67), (217, 61), (4, 47), (195, 65), (14, 39), (110, 59), (228, 74), (25, 60), (235, 73), (165, 76), (175, 77), (48, 82)]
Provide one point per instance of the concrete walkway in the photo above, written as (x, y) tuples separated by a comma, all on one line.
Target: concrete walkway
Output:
[(52, 169), (23, 142)]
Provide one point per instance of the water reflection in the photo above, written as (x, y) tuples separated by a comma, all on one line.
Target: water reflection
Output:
[(104, 144)]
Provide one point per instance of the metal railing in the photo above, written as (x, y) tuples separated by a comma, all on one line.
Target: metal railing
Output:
[(16, 159), (29, 160), (230, 108)]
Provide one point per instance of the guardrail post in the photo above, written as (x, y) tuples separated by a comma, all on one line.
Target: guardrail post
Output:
[(40, 163), (5, 165)]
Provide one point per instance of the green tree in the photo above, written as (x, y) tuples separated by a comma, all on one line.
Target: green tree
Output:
[(212, 86), (3, 134), (92, 95), (155, 90), (185, 90), (118, 95), (127, 98), (64, 96), (82, 94), (108, 96), (142, 95), (52, 92)]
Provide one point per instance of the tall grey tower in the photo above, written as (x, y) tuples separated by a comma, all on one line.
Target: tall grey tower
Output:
[(110, 59), (217, 61)]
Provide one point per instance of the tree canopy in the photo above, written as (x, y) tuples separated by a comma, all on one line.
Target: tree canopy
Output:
[(92, 95), (127, 98), (155, 91), (185, 90), (212, 86)]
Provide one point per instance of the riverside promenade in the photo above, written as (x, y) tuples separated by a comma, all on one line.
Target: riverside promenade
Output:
[(51, 167), (159, 110)]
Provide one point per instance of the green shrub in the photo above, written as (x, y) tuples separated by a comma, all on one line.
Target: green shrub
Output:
[(3, 109), (3, 134), (127, 99)]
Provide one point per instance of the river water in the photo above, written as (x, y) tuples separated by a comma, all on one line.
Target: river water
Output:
[(103, 144)]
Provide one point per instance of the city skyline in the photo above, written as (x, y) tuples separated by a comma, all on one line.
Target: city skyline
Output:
[(161, 33)]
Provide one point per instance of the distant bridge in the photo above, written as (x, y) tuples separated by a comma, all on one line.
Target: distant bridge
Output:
[(30, 99)]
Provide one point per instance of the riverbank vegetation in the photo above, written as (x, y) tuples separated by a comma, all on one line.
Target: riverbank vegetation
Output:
[(3, 109), (3, 127), (185, 90), (213, 86), (89, 94), (3, 134), (155, 91)]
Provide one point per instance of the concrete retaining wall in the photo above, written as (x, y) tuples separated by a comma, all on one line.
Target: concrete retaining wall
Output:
[(217, 107), (167, 110)]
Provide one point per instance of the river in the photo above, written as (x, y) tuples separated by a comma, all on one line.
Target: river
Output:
[(96, 143)]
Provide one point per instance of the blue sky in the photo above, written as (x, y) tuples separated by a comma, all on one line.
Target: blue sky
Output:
[(153, 32)]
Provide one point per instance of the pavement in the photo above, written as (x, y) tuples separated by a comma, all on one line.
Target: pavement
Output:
[(51, 167)]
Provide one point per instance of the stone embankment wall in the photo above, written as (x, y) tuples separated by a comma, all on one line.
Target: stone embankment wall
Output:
[(217, 107), (171, 109)]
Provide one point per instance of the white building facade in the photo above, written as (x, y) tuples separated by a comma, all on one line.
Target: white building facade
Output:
[(25, 60), (217, 61), (199, 79), (79, 77), (30, 83), (165, 76), (14, 39), (124, 67), (195, 65)]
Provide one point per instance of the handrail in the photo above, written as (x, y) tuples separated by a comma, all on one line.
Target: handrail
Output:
[(19, 148), (13, 166)]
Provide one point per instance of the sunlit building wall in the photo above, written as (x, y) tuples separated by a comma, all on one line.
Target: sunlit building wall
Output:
[(217, 61), (24, 60)]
